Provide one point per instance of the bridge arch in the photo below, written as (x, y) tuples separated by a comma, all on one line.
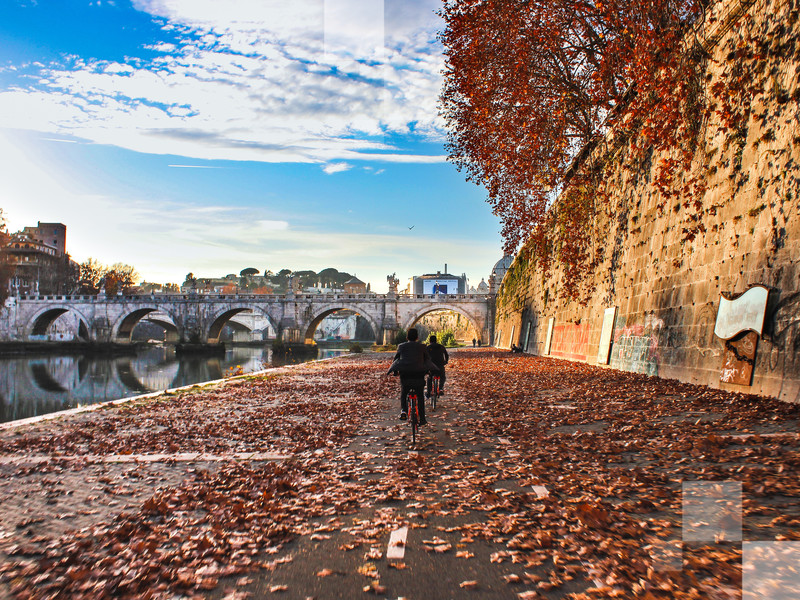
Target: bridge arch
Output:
[(43, 319), (223, 317), (418, 314), (329, 310), (122, 330)]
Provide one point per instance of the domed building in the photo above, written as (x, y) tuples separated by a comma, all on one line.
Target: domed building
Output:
[(500, 268)]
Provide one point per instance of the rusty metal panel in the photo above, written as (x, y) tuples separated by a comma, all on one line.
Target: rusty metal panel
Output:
[(739, 359)]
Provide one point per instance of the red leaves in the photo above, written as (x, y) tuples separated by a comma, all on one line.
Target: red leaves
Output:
[(529, 82), (593, 515), (612, 492)]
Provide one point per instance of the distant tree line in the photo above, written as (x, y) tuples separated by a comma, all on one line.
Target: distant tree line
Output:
[(252, 280), (96, 277)]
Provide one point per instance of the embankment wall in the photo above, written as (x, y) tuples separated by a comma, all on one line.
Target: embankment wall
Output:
[(666, 289)]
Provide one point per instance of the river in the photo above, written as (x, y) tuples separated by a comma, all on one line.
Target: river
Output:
[(34, 385)]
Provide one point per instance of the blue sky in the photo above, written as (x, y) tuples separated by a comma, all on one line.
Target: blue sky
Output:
[(208, 136)]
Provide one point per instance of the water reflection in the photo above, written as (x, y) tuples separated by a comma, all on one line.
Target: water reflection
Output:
[(31, 386)]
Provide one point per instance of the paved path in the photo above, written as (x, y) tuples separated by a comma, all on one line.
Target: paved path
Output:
[(535, 478)]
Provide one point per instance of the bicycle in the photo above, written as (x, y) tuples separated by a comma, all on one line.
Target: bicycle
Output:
[(413, 414), (436, 388)]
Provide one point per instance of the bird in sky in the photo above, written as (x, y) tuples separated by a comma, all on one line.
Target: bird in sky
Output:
[(412, 227)]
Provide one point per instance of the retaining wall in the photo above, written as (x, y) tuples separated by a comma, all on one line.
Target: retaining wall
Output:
[(666, 290)]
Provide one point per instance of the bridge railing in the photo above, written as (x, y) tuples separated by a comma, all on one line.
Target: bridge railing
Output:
[(246, 297)]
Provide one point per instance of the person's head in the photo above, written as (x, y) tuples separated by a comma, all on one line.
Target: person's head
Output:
[(432, 339), (413, 335)]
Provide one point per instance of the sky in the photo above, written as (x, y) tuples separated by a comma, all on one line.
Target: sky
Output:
[(205, 136)]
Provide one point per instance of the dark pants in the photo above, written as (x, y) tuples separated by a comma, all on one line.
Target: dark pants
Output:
[(441, 383), (416, 383)]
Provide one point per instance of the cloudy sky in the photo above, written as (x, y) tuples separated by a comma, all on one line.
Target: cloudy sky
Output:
[(210, 136)]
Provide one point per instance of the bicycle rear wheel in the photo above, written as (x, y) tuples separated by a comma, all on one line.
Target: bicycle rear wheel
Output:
[(413, 417)]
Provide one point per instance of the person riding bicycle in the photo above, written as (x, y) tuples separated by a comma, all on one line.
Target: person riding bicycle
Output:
[(440, 358), (412, 362)]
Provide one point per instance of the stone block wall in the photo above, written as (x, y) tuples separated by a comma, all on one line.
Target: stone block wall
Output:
[(666, 289)]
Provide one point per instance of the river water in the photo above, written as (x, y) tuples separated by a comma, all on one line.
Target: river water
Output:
[(37, 385)]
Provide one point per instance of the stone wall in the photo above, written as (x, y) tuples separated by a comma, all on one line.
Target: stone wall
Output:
[(667, 289)]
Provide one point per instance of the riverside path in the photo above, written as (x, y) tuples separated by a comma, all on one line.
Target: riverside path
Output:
[(535, 478)]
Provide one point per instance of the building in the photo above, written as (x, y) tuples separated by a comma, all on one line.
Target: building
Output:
[(53, 235), (355, 286), (501, 266), (37, 267), (440, 283)]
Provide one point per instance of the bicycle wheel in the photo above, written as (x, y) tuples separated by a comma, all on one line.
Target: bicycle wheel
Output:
[(413, 417)]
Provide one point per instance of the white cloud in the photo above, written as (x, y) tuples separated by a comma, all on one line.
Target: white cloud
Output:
[(250, 82), (332, 168)]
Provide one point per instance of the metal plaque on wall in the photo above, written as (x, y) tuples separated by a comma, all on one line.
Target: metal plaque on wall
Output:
[(604, 350), (549, 339)]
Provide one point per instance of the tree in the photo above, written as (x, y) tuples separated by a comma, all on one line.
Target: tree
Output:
[(63, 278), (529, 83), (119, 277), (91, 273), (248, 271), (95, 275), (328, 277)]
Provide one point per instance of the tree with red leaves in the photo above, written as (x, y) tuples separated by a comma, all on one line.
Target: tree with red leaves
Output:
[(529, 84)]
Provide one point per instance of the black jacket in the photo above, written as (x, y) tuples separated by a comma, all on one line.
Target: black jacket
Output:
[(438, 354), (412, 358)]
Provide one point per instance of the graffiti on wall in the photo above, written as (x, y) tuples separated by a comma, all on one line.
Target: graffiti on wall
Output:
[(783, 337), (636, 346)]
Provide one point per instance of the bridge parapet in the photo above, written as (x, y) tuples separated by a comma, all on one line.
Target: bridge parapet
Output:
[(100, 299)]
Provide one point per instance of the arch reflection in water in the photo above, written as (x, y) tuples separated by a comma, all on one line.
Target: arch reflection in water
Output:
[(36, 385)]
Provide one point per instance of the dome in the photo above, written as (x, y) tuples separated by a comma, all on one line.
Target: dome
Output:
[(501, 266)]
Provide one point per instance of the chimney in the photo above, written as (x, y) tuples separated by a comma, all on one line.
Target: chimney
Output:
[(445, 268)]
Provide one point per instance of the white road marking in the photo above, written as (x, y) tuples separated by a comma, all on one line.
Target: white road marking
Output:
[(592, 572), (540, 491), (397, 544)]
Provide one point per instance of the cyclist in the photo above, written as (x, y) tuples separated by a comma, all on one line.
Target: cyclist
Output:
[(412, 362), (440, 358)]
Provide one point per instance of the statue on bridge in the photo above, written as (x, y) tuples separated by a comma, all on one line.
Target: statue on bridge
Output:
[(393, 283)]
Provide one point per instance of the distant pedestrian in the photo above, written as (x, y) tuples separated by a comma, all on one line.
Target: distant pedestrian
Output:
[(473, 342), (479, 342)]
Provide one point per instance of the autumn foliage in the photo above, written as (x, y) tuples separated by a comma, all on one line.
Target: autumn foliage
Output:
[(532, 84)]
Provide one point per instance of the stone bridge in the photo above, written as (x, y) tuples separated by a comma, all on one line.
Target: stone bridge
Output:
[(199, 318)]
